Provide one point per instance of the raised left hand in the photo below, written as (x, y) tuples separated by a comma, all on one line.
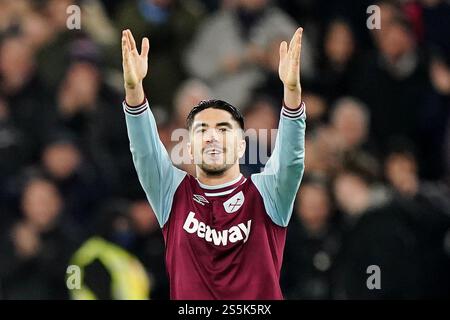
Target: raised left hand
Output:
[(289, 67)]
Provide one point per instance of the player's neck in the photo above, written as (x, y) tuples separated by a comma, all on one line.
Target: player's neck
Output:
[(213, 180)]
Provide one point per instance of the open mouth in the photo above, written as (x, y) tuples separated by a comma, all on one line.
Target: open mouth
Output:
[(213, 151)]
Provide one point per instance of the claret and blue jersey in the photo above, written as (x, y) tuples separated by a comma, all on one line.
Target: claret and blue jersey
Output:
[(225, 241)]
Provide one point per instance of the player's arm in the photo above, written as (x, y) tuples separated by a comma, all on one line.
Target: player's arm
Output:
[(279, 182), (157, 175)]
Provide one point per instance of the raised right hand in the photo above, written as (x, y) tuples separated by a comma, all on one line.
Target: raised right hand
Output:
[(135, 65)]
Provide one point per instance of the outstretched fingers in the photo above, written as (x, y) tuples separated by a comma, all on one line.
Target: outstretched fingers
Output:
[(293, 47), (298, 46), (131, 40), (125, 52), (124, 41), (145, 47), (283, 50)]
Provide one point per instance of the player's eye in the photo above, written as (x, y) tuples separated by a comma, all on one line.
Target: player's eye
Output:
[(223, 129)]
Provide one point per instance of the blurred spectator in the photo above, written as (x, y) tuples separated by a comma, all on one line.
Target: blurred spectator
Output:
[(11, 13), (270, 83), (446, 147), (436, 23), (53, 57), (109, 273), (353, 195), (170, 25), (337, 65), (429, 207), (97, 24), (78, 95), (149, 247), (188, 94), (37, 29), (13, 151), (129, 230), (261, 122), (373, 236), (57, 41), (24, 94), (317, 108), (36, 250), (84, 101), (389, 11), (395, 236), (402, 172), (312, 246), (233, 68), (80, 185), (350, 121), (434, 120), (393, 83), (323, 153)]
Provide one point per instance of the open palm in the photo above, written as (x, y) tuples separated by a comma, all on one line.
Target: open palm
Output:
[(289, 67), (135, 65)]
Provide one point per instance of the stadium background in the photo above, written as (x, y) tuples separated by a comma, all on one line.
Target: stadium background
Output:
[(376, 185)]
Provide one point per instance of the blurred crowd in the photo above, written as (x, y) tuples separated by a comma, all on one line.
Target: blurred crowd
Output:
[(376, 189)]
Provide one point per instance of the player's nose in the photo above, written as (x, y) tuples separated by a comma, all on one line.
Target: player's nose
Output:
[(211, 135)]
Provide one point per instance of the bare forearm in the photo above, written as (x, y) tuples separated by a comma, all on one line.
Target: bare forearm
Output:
[(134, 96), (292, 97)]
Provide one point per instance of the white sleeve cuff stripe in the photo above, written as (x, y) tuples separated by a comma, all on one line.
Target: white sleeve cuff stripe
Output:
[(292, 117), (293, 114), (135, 108), (135, 111), (296, 111)]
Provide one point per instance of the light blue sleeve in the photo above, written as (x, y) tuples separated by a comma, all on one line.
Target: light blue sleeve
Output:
[(158, 176), (279, 182)]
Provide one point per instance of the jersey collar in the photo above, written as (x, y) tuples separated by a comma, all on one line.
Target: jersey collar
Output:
[(222, 189)]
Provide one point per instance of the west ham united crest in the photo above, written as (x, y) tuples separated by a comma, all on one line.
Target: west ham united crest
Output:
[(234, 203)]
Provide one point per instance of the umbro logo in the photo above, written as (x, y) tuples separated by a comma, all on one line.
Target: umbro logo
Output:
[(200, 199)]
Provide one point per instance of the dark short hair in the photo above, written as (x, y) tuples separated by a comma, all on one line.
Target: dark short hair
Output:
[(215, 104)]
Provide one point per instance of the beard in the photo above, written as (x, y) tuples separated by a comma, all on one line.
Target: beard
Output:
[(215, 169)]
